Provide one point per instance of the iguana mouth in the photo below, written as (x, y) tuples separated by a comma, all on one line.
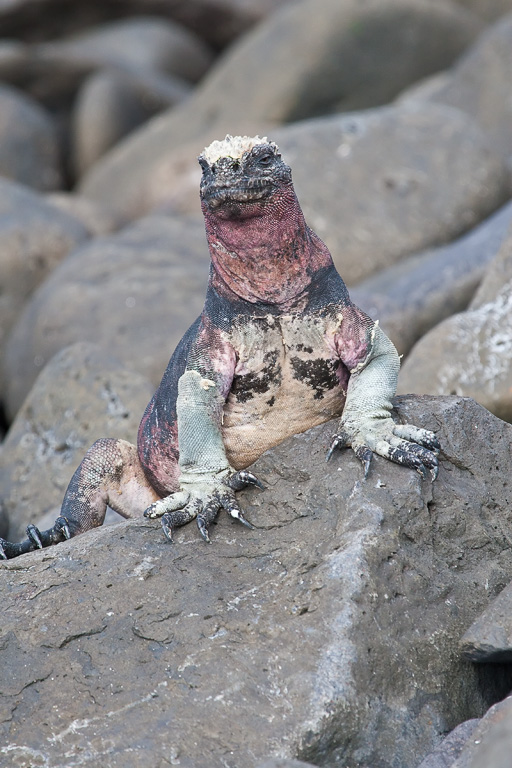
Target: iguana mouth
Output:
[(259, 190)]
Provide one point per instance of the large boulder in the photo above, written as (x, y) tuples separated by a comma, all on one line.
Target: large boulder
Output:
[(358, 55), (412, 296), (328, 634), (479, 84), (29, 145), (217, 21), (111, 103), (135, 292), (34, 237), (52, 71), (471, 353), (81, 395)]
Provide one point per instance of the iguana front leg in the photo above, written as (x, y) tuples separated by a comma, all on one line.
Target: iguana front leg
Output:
[(366, 424), (207, 481)]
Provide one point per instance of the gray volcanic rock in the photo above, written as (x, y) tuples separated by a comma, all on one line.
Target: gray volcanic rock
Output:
[(488, 9), (34, 237), (216, 21), (479, 84), (411, 297), (446, 753), (112, 103), (52, 71), (490, 745), (81, 395), (328, 634), (29, 146), (97, 219), (470, 353), (358, 55), (135, 292), (489, 638)]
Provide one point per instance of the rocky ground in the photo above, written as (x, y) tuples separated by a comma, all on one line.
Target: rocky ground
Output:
[(362, 624)]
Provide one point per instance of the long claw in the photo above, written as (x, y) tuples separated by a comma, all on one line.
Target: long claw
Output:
[(422, 470), (434, 471), (167, 527), (34, 535), (243, 478), (335, 442), (239, 515), (203, 528), (365, 455), (61, 526)]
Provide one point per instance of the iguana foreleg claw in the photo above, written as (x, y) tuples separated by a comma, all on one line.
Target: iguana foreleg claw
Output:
[(401, 443), (203, 495)]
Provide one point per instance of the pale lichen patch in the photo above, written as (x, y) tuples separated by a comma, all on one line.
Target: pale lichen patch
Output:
[(234, 147)]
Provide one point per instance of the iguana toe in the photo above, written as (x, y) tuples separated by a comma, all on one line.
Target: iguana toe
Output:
[(242, 479)]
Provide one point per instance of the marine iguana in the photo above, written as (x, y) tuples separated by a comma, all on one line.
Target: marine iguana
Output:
[(278, 348)]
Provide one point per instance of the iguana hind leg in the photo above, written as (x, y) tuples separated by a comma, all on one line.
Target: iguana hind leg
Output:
[(110, 474)]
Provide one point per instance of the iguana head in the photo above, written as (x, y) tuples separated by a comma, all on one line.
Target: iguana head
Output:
[(260, 246), (241, 176)]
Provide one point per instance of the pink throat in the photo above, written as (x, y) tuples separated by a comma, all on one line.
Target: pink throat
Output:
[(268, 257)]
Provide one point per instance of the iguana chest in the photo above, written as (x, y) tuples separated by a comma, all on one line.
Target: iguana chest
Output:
[(288, 378)]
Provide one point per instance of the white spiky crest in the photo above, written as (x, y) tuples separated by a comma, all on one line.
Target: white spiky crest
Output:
[(234, 147)]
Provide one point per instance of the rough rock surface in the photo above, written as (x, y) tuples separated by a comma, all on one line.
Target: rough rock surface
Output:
[(146, 653), (81, 395), (135, 292), (359, 55), (446, 753), (34, 237), (470, 353), (411, 297), (490, 744), (489, 638), (29, 149)]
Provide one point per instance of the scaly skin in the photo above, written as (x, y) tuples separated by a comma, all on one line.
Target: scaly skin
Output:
[(279, 348)]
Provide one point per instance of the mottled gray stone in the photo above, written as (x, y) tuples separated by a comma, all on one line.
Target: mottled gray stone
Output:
[(489, 638), (134, 292), (51, 72), (83, 394), (112, 103), (359, 55), (480, 84), (449, 749), (97, 219), (412, 296), (29, 145), (34, 238), (490, 745), (470, 353), (328, 634), (217, 21)]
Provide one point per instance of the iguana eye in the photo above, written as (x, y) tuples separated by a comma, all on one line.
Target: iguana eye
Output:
[(265, 159)]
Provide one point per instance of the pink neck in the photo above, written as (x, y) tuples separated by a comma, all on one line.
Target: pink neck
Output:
[(268, 257)]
